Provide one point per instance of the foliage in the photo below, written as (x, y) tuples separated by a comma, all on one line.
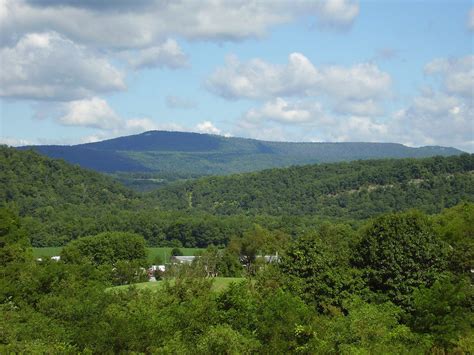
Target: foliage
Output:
[(367, 329), (355, 190), (456, 227), (444, 311), (399, 253), (106, 248), (58, 202), (176, 252), (317, 267)]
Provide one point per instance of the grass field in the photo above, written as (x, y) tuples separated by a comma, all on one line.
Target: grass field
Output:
[(45, 252), (219, 284), (164, 253)]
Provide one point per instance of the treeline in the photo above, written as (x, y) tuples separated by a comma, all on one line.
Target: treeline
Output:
[(400, 284), (356, 190)]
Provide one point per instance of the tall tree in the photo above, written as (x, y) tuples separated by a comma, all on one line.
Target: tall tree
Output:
[(399, 253)]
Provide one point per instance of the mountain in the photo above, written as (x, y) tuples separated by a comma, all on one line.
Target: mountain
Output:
[(184, 153)]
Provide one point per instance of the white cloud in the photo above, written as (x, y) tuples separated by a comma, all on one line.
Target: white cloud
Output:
[(207, 127), (282, 111), (47, 66), (177, 102), (141, 24), (457, 74), (367, 107), (470, 19), (359, 82), (258, 79), (140, 125), (436, 118), (94, 113), (359, 129), (352, 90), (337, 14), (168, 54)]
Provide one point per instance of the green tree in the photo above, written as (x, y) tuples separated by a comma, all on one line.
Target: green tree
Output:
[(176, 252), (223, 340), (106, 248), (14, 243), (317, 267), (399, 253), (366, 329), (444, 311), (456, 227)]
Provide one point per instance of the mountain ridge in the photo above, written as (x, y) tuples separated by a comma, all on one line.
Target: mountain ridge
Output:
[(207, 154)]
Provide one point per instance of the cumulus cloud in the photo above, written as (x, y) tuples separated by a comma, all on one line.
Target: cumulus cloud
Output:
[(259, 79), (354, 90), (96, 113), (337, 14), (47, 66), (177, 102), (441, 115), (168, 54), (144, 23), (436, 118), (457, 74), (93, 113), (207, 127), (282, 111)]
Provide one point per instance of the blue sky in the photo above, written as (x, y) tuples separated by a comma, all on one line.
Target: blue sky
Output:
[(336, 70)]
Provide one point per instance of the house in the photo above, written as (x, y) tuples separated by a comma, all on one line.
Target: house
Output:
[(271, 258), (161, 268)]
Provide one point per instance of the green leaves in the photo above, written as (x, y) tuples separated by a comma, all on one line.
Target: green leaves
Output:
[(399, 253)]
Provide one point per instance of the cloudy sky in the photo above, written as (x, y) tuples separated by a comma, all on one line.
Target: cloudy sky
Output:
[(76, 71)]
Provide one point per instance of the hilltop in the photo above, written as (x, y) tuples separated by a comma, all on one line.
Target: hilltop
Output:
[(186, 154)]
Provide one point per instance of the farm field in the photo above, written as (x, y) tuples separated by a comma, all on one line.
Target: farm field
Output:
[(163, 253), (219, 284)]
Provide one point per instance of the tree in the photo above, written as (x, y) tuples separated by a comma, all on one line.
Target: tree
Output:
[(176, 252), (399, 253), (317, 268), (456, 227), (106, 248), (366, 329), (14, 243), (444, 311)]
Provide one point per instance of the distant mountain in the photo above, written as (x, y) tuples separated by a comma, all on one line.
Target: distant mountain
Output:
[(194, 154)]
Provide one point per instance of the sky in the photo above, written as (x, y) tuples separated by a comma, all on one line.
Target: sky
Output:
[(75, 71)]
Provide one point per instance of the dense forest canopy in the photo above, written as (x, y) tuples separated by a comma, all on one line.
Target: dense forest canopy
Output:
[(60, 202), (327, 295), (351, 190)]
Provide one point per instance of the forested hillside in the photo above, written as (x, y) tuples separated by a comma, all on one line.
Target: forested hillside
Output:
[(59, 202), (167, 154), (351, 190)]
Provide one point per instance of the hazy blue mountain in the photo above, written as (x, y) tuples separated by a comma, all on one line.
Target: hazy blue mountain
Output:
[(191, 154)]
